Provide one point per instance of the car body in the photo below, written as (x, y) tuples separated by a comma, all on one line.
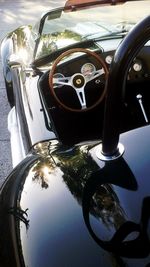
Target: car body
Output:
[(78, 86)]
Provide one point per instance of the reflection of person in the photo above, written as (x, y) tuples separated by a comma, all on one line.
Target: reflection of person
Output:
[(107, 207)]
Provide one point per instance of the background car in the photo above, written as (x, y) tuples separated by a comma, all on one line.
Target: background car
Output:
[(77, 83)]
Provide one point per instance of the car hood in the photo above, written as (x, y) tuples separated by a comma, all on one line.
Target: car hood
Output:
[(62, 206)]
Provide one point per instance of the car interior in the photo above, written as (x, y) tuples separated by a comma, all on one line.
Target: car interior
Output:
[(73, 126)]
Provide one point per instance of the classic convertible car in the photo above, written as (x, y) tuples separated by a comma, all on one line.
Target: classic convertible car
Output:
[(78, 84)]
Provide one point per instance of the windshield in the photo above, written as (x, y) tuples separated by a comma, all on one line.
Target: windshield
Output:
[(62, 29)]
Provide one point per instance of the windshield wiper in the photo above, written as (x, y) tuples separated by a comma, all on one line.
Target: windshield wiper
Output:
[(120, 33)]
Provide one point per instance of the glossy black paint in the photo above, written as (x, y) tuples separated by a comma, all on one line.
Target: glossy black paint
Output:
[(47, 202)]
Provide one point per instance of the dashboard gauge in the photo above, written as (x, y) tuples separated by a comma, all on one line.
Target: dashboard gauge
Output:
[(108, 59), (55, 76), (87, 69), (137, 66)]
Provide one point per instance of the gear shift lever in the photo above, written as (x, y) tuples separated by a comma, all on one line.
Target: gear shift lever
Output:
[(139, 98)]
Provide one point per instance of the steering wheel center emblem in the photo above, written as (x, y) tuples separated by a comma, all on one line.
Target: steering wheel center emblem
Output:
[(78, 80)]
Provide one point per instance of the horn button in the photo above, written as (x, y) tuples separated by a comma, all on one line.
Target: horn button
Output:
[(78, 81)]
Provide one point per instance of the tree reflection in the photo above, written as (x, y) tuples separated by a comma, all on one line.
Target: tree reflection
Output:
[(77, 167), (22, 45), (45, 166), (51, 42), (74, 162)]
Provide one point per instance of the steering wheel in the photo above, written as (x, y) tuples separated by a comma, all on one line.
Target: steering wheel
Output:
[(77, 81)]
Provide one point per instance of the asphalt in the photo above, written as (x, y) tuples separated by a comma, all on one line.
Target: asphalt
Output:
[(12, 15)]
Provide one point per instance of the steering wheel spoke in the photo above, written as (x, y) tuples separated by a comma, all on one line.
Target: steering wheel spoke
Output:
[(61, 81), (81, 96), (95, 74)]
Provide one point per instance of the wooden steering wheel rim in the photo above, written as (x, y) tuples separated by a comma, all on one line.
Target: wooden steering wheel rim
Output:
[(52, 71)]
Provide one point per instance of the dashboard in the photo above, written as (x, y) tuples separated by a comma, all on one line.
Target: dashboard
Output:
[(139, 69), (89, 125)]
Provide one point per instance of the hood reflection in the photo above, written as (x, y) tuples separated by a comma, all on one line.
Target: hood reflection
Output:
[(114, 231), (65, 181)]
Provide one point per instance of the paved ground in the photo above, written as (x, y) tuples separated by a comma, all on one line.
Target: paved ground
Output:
[(12, 15)]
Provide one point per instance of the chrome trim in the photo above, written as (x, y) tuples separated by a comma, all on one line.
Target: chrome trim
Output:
[(17, 148), (139, 98), (118, 154)]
